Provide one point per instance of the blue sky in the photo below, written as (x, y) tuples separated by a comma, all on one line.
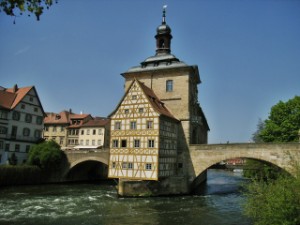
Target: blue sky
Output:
[(248, 54)]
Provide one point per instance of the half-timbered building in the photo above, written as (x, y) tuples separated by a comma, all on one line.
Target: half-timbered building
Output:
[(143, 136)]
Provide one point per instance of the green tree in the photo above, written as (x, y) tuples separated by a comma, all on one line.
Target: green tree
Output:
[(275, 202), (47, 155), (18, 7), (259, 170), (283, 123), (260, 126)]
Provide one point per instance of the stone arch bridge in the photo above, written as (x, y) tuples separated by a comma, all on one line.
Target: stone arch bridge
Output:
[(76, 157), (201, 157)]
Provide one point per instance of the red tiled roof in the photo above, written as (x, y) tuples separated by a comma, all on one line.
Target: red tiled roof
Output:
[(96, 123), (20, 94), (11, 97), (6, 99), (158, 105), (57, 118)]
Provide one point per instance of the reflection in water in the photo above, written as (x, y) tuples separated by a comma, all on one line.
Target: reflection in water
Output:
[(94, 204)]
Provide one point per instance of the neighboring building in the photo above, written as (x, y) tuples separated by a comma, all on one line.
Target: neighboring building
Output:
[(55, 127), (175, 85), (94, 134), (143, 136), (76, 120), (68, 129), (21, 122)]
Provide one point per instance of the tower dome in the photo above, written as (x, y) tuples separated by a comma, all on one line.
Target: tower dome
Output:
[(163, 36)]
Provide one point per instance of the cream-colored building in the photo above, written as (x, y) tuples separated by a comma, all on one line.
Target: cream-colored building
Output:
[(78, 131), (94, 134), (21, 122), (174, 85)]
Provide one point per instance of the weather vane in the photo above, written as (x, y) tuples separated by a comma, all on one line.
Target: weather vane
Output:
[(164, 14)]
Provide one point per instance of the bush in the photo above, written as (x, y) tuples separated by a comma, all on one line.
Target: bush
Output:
[(275, 202), (46, 155)]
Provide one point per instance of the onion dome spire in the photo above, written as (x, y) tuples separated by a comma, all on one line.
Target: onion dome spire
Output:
[(163, 36)]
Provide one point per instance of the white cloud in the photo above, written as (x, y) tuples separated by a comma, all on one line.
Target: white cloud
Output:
[(22, 50)]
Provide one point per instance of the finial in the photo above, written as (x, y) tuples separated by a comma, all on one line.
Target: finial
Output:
[(164, 14)]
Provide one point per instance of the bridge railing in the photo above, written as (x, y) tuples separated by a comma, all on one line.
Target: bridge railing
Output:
[(85, 151), (238, 146)]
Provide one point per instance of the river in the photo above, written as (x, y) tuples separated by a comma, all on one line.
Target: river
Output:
[(219, 203)]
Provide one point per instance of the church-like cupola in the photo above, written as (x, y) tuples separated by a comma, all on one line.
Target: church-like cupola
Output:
[(163, 36)]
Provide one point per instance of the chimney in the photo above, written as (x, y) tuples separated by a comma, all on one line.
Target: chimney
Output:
[(15, 88)]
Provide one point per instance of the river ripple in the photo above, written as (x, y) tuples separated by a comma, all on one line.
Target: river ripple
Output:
[(93, 204)]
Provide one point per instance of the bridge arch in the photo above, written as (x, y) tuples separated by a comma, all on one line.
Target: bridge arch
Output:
[(81, 162), (89, 158), (204, 156)]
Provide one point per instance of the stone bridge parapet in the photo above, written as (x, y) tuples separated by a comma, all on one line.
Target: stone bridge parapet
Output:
[(75, 157), (280, 154)]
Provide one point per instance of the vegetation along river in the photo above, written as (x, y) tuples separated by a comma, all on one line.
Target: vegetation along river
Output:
[(219, 203)]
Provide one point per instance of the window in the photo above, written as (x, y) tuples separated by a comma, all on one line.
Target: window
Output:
[(118, 125), (94, 131), (149, 124), (124, 165), (99, 142), (7, 147), (100, 131), (1, 144), (141, 110), (133, 125), (134, 97), (36, 109), (54, 129), (148, 166), (61, 140), (169, 85), (22, 106), (126, 111), (3, 130), (136, 143), (123, 143), (39, 120), (130, 165), (17, 148), (26, 132), (113, 164), (27, 148), (28, 118), (37, 133), (31, 99), (46, 128), (127, 165), (16, 115), (150, 143), (115, 143), (3, 115), (82, 132), (88, 131), (62, 128)]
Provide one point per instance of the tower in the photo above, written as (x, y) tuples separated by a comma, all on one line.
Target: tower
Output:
[(175, 83), (157, 119)]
